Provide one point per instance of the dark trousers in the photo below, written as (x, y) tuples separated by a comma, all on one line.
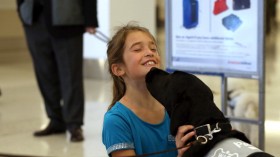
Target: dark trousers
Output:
[(59, 72)]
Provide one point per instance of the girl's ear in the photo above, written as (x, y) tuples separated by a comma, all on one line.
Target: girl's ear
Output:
[(117, 69)]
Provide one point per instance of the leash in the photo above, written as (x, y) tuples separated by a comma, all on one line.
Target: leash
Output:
[(101, 36)]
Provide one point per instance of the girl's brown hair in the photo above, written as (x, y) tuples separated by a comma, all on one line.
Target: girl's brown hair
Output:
[(115, 52)]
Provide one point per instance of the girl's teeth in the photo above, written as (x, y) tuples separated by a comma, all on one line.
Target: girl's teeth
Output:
[(150, 63)]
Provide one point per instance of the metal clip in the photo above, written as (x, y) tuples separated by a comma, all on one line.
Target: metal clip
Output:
[(202, 139), (203, 129), (203, 133)]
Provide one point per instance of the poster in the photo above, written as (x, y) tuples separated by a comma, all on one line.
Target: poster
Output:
[(215, 36)]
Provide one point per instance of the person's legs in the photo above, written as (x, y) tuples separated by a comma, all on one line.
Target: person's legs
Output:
[(46, 74), (69, 58)]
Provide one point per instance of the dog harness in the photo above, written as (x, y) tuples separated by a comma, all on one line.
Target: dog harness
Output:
[(232, 147), (205, 132)]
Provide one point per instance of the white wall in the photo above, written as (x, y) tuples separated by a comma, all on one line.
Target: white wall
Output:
[(112, 13), (142, 11)]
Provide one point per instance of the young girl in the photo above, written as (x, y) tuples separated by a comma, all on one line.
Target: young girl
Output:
[(135, 122)]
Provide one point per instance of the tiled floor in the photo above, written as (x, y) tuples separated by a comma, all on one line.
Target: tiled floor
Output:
[(22, 112)]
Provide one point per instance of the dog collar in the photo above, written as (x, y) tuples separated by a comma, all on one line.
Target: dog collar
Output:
[(204, 133)]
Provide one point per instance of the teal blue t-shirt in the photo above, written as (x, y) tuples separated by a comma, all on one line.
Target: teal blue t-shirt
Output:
[(122, 129)]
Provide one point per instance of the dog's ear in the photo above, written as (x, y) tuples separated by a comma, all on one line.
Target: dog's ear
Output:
[(180, 115), (191, 84)]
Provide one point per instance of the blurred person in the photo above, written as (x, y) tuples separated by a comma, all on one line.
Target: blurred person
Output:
[(54, 33)]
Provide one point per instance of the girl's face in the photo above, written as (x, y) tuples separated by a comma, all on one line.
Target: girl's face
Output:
[(140, 55)]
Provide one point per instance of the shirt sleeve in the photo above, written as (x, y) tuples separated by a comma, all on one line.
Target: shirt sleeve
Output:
[(90, 12), (116, 134)]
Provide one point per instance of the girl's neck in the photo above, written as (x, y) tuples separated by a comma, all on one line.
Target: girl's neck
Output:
[(138, 94), (145, 107), (138, 100)]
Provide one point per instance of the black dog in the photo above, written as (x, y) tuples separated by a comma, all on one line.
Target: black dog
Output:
[(189, 101)]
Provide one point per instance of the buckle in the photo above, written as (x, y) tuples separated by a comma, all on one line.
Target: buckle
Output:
[(202, 130), (203, 133)]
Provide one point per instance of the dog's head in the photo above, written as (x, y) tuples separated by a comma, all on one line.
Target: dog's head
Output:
[(186, 98)]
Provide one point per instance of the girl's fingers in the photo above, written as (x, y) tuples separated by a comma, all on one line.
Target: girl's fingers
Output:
[(188, 136)]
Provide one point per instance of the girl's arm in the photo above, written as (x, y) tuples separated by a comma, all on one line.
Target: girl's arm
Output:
[(123, 153)]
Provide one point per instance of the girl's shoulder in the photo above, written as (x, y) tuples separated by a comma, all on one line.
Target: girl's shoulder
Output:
[(118, 111), (118, 108)]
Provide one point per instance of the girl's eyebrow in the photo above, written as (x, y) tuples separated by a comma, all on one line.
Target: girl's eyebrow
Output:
[(139, 43), (134, 44)]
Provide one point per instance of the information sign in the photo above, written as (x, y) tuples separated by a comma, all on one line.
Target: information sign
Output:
[(215, 36)]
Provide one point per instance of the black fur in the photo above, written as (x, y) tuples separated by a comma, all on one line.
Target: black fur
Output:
[(188, 101)]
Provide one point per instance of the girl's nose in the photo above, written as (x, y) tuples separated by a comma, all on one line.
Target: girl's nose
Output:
[(149, 53)]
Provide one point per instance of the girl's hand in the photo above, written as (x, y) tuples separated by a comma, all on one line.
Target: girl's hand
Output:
[(181, 138)]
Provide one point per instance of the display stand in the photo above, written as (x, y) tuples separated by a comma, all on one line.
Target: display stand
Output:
[(219, 38)]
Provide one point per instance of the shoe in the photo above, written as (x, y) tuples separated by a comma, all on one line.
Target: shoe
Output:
[(76, 135), (49, 130)]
